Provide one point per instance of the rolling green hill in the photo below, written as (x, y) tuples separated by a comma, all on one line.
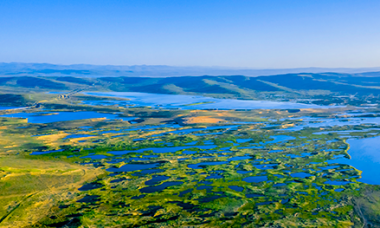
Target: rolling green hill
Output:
[(221, 86)]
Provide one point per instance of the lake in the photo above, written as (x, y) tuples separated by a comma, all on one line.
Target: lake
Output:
[(49, 117), (170, 101), (8, 107), (365, 156)]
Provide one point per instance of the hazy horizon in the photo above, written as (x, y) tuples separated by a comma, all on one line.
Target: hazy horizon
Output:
[(189, 66), (88, 70)]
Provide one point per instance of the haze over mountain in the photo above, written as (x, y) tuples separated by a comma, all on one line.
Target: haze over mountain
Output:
[(86, 70)]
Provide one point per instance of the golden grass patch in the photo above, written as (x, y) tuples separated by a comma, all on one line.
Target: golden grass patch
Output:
[(202, 119), (52, 140)]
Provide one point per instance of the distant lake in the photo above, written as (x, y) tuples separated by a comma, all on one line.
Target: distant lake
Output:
[(170, 101), (365, 156), (49, 117), (8, 107)]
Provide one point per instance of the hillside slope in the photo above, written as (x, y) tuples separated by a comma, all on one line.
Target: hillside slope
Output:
[(227, 86)]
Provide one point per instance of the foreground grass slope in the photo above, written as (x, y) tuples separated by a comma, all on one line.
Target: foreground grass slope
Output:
[(30, 188)]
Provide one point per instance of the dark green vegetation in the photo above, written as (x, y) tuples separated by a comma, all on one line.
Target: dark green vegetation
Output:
[(181, 168)]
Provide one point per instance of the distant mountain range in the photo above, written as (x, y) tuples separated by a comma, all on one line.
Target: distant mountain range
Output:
[(85, 70)]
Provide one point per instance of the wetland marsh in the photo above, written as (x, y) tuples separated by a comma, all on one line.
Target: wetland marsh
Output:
[(174, 165)]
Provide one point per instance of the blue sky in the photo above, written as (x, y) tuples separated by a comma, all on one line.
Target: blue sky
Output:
[(234, 33)]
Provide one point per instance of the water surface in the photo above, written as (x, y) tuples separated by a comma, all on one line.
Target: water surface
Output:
[(365, 156), (9, 107), (50, 117), (195, 102)]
